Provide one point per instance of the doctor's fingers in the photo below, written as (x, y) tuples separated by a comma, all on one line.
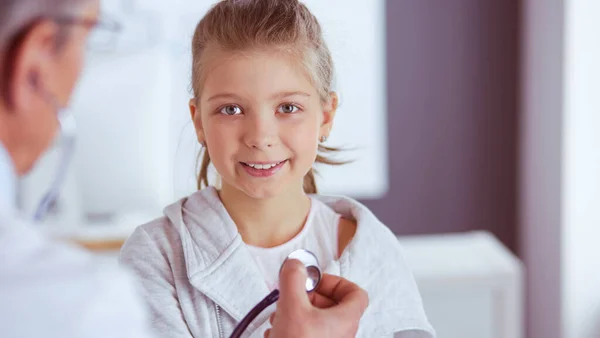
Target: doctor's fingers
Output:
[(313, 324), (320, 301), (292, 286), (317, 300), (343, 292)]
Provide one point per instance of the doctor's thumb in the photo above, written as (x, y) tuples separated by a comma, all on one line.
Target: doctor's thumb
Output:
[(292, 285)]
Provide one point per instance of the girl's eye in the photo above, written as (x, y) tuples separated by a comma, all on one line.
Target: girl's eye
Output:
[(230, 110), (287, 109)]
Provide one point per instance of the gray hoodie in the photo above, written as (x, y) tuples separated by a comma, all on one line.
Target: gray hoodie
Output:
[(200, 280)]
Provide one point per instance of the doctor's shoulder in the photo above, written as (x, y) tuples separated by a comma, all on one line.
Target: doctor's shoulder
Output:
[(46, 281)]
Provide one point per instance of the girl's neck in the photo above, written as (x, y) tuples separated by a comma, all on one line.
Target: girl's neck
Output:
[(267, 222)]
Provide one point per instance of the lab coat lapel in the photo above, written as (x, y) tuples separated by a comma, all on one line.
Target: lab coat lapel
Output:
[(8, 179)]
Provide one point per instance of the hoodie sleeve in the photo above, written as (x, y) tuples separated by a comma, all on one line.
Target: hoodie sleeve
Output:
[(152, 269), (376, 263)]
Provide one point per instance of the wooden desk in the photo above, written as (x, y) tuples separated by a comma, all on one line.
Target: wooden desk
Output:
[(100, 245)]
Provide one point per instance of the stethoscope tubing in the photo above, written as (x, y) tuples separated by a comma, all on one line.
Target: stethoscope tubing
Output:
[(256, 310)]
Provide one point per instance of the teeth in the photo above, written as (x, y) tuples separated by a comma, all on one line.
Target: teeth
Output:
[(262, 166)]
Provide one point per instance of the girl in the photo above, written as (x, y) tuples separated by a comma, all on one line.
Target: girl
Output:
[(262, 107)]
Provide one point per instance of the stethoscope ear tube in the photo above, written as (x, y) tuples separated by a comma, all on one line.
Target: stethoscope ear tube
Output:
[(68, 135)]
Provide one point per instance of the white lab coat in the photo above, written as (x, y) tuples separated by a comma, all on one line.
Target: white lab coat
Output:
[(50, 289)]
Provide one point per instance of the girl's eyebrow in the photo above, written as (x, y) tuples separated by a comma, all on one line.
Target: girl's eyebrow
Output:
[(273, 97), (222, 96), (288, 94)]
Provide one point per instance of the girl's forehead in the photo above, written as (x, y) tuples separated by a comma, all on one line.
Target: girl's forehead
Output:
[(247, 60), (254, 70)]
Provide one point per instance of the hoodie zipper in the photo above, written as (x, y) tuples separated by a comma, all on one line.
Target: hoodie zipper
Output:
[(219, 322)]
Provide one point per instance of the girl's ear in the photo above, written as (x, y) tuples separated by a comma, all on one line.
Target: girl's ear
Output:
[(196, 119), (329, 111)]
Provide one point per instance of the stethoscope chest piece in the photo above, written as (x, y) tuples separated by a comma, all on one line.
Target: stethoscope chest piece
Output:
[(312, 267), (312, 281)]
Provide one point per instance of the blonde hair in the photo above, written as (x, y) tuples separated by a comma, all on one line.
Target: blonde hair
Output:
[(284, 25)]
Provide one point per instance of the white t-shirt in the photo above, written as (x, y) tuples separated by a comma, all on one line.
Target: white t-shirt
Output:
[(319, 236)]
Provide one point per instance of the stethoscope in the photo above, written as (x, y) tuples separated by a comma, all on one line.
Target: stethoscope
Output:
[(68, 134), (312, 281)]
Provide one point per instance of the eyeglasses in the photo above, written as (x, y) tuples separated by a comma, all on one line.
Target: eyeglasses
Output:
[(104, 32)]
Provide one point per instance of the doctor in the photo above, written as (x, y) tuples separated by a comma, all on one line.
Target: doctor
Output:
[(51, 289)]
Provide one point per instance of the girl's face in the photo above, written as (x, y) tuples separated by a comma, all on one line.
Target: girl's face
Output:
[(261, 119)]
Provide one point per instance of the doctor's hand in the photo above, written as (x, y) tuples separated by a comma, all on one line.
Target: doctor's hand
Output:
[(333, 310)]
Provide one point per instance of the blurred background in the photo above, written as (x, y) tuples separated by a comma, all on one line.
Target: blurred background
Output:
[(476, 128)]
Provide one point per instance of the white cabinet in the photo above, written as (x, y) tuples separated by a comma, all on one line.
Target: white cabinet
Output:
[(470, 283)]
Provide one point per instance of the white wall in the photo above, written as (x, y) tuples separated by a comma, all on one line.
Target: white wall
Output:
[(581, 179), (540, 165), (560, 167)]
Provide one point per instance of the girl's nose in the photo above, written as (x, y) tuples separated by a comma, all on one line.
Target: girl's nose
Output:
[(261, 131)]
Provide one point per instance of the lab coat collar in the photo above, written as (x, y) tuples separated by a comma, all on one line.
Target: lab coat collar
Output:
[(8, 179)]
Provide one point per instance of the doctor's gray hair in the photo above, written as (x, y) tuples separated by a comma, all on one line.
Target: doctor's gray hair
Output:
[(285, 26), (18, 16)]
